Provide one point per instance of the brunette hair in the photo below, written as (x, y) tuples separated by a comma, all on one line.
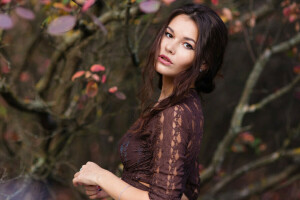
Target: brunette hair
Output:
[(210, 49)]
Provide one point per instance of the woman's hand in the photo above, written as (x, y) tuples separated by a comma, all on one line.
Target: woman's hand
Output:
[(93, 192), (89, 174)]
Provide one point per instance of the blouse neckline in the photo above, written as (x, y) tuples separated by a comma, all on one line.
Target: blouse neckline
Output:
[(190, 89)]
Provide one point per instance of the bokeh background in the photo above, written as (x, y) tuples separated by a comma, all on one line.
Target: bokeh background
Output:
[(69, 76)]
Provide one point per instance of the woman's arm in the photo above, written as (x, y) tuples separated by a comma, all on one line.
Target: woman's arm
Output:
[(113, 185), (92, 174)]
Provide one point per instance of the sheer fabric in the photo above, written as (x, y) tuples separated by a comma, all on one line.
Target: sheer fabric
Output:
[(166, 156)]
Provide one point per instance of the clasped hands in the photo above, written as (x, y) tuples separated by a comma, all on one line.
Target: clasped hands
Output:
[(88, 177)]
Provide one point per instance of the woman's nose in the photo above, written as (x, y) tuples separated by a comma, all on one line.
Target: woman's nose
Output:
[(170, 47)]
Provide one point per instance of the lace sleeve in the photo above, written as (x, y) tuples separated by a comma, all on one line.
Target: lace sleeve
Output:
[(170, 148)]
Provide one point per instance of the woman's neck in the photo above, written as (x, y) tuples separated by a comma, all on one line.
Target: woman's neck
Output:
[(167, 87)]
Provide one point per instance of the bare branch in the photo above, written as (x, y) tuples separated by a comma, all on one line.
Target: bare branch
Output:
[(241, 108), (5, 56), (129, 44), (254, 165), (3, 141), (141, 35), (248, 45), (260, 12), (288, 182), (259, 66), (28, 53), (266, 34), (261, 186), (44, 83), (37, 106), (273, 96)]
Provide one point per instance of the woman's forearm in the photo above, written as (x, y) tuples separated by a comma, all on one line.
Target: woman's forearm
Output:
[(113, 186)]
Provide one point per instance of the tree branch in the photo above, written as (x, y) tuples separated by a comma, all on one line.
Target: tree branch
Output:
[(254, 165), (141, 35), (273, 96), (288, 182), (44, 83), (131, 49), (260, 12), (260, 186), (248, 44), (107, 17), (37, 106), (28, 53), (3, 141), (241, 108)]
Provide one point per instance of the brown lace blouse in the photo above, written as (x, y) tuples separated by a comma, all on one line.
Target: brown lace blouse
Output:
[(166, 156)]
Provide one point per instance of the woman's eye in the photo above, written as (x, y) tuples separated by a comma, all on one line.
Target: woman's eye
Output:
[(168, 34), (188, 45)]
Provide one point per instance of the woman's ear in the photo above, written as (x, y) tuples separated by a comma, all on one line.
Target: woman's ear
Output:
[(203, 67)]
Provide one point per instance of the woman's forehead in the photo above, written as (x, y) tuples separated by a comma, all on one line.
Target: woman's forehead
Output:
[(183, 25)]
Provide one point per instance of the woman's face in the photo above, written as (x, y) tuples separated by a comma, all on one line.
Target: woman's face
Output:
[(178, 44)]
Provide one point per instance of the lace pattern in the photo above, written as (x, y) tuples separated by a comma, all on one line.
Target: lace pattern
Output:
[(167, 157)]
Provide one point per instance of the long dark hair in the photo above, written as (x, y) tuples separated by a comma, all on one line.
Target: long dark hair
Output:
[(210, 48)]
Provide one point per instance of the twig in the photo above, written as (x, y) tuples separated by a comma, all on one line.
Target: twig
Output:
[(253, 165), (288, 182), (6, 57), (266, 33), (107, 17), (37, 106), (241, 108), (44, 83), (260, 186), (29, 52), (131, 49), (273, 96), (141, 35), (248, 44), (4, 142), (260, 12)]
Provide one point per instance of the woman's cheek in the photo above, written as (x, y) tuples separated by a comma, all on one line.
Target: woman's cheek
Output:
[(189, 58)]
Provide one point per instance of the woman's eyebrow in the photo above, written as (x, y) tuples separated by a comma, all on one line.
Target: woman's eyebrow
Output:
[(186, 38)]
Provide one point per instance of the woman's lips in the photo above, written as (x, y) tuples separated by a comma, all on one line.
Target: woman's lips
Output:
[(163, 61)]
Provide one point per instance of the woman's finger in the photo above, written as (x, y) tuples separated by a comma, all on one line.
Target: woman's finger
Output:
[(91, 193), (76, 174), (91, 187), (96, 196), (76, 182), (93, 197)]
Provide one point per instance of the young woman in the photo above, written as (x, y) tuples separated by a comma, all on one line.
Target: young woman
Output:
[(160, 150)]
